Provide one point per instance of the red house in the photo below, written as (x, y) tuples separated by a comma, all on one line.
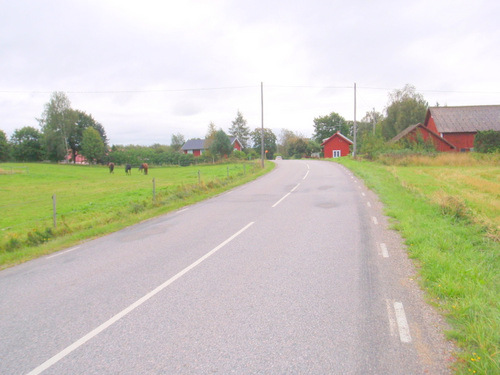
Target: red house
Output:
[(412, 133), (336, 146), (459, 125), (197, 146)]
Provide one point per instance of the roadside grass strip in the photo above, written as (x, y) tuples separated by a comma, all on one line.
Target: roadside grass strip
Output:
[(456, 251)]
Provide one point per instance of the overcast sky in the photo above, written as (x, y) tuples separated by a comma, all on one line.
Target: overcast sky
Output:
[(147, 69)]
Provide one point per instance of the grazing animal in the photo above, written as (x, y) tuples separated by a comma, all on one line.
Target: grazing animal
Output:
[(111, 167), (144, 168), (128, 169)]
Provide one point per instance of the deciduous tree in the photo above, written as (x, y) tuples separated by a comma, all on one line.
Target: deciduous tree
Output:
[(406, 107), (93, 148), (326, 126), (83, 122), (221, 144), (177, 142), (4, 146), (58, 123), (269, 142), (26, 144)]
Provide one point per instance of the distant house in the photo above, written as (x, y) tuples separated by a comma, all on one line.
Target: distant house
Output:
[(336, 146), (79, 159), (459, 125), (412, 133), (198, 146)]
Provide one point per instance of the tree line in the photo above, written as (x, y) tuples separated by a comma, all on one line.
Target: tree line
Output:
[(63, 130)]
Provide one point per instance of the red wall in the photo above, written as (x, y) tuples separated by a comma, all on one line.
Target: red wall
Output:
[(460, 140), (438, 143), (432, 126), (336, 143)]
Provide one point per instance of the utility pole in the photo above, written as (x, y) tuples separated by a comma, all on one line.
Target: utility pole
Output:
[(355, 127), (262, 122)]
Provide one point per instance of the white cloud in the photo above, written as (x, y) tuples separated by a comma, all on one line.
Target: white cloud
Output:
[(149, 69)]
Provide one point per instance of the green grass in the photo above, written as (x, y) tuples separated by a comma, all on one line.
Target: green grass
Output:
[(91, 202), (454, 243)]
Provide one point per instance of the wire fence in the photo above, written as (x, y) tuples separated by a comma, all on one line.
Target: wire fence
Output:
[(66, 210)]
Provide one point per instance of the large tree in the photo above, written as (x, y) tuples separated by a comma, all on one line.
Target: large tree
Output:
[(93, 147), (26, 144), (240, 130), (326, 126), (406, 107), (58, 123), (298, 148), (4, 146), (83, 122), (221, 144), (177, 142), (269, 142)]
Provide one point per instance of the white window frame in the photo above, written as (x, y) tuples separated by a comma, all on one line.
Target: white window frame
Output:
[(337, 153)]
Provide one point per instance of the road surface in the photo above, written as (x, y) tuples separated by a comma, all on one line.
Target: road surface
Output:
[(294, 273)]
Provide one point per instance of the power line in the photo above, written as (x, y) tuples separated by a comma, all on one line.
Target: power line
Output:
[(133, 91)]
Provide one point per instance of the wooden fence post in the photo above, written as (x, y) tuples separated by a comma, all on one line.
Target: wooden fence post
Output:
[(154, 190), (54, 214)]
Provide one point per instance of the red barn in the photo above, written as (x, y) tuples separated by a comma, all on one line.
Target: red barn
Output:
[(336, 146), (459, 125), (414, 132)]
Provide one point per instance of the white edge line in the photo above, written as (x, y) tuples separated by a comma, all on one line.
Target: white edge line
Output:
[(375, 221), (63, 252), (305, 175), (368, 204), (391, 317), (385, 253), (404, 329), (44, 366)]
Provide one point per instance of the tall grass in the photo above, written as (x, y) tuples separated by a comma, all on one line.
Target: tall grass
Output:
[(440, 207), (90, 201)]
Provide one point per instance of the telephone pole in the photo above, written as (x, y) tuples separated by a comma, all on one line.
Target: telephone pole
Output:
[(262, 124), (355, 127)]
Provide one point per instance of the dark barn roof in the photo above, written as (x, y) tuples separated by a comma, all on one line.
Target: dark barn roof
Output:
[(411, 128), (194, 144), (199, 144), (468, 119)]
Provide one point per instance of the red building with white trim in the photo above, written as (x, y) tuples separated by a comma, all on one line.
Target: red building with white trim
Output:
[(336, 146)]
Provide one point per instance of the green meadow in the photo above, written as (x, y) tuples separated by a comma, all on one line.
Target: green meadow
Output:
[(89, 201), (447, 208)]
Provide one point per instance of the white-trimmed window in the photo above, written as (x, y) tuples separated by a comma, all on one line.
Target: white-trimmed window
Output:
[(336, 153)]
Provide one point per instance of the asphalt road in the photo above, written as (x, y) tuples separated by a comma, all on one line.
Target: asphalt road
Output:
[(294, 273)]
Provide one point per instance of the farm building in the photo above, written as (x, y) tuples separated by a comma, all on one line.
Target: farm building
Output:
[(459, 125), (197, 146), (414, 132), (336, 146)]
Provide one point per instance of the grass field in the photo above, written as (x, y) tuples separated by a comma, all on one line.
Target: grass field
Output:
[(90, 201), (447, 209)]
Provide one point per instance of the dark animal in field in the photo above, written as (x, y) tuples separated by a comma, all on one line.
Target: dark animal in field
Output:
[(144, 168), (128, 169), (111, 167)]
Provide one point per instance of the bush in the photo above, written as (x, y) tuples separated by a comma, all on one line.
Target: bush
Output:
[(487, 141)]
